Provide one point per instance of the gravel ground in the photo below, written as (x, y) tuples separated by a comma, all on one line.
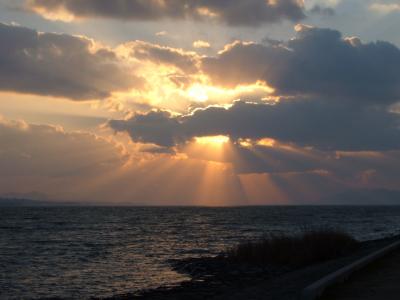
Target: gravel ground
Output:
[(214, 278)]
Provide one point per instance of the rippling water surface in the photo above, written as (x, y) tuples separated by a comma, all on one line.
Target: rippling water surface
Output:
[(80, 252)]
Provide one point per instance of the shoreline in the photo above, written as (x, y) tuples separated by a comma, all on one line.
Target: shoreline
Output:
[(216, 278)]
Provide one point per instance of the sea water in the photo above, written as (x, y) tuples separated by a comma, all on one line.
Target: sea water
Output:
[(82, 252)]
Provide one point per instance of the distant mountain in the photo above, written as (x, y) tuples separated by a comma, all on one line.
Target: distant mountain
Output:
[(365, 197), (18, 202), (21, 202), (33, 195)]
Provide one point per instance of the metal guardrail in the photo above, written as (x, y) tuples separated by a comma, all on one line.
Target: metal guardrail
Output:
[(316, 289)]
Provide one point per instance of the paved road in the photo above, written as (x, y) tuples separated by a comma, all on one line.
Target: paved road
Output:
[(379, 281)]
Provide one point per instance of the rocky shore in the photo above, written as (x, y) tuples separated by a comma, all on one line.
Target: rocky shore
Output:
[(218, 278)]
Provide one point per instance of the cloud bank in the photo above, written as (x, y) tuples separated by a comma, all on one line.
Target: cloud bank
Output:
[(317, 62), (308, 123), (232, 13), (335, 94), (49, 151), (60, 65)]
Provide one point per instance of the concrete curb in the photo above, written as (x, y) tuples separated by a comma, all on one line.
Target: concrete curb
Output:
[(315, 290)]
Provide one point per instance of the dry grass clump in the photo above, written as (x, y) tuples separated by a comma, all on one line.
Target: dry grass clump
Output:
[(307, 248)]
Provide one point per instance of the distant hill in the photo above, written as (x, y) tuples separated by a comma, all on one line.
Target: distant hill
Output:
[(365, 197), (18, 202), (33, 195)]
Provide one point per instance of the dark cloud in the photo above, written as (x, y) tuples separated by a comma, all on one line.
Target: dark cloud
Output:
[(323, 11), (319, 124), (318, 62), (59, 65), (155, 127), (234, 13), (241, 63)]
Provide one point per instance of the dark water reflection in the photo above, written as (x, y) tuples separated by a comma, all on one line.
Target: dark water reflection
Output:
[(100, 251)]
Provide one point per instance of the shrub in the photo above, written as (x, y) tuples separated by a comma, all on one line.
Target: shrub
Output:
[(307, 248)]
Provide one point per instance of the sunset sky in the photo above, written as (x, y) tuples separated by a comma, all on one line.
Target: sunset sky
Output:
[(199, 102)]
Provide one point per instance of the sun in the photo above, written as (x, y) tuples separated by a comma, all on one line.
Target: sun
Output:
[(198, 93), (214, 140)]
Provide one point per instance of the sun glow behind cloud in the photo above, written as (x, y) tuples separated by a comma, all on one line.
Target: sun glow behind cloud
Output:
[(209, 148), (180, 78), (60, 14), (198, 93), (216, 140)]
